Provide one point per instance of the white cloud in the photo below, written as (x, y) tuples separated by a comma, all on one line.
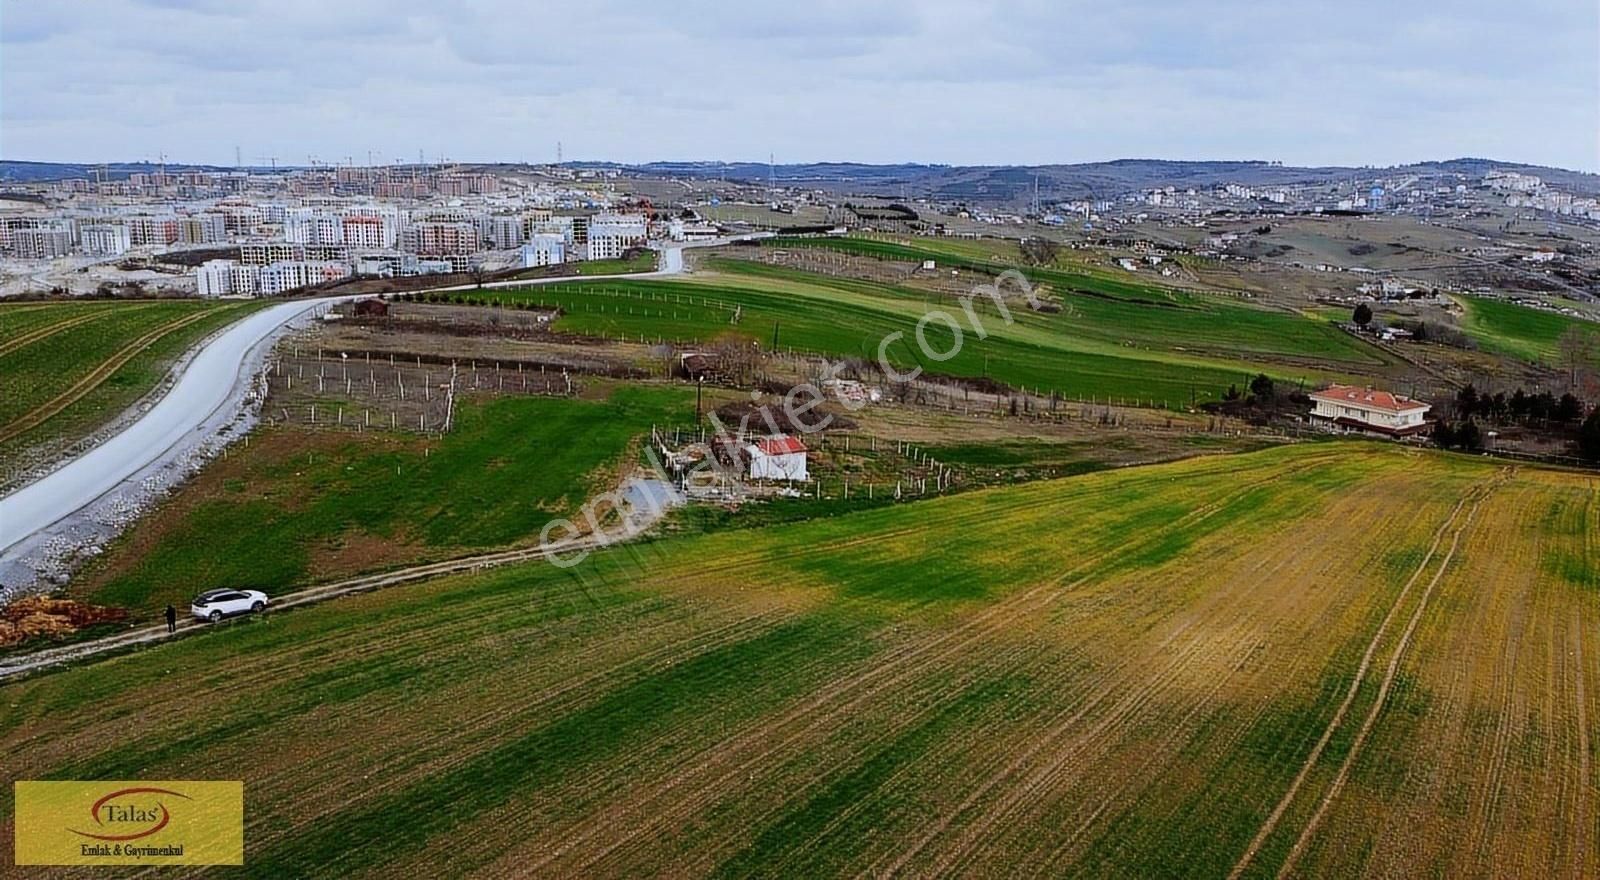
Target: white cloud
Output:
[(937, 80)]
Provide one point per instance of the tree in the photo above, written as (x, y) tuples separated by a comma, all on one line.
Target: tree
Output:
[(1468, 437), (1578, 350), (1362, 315), (1232, 393), (1038, 251), (1589, 436), (1567, 410), (1261, 387), (1466, 401), (1444, 436)]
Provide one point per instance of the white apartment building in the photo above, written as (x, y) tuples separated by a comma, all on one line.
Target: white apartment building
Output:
[(605, 246), (104, 239), (202, 229), (629, 227), (504, 233), (612, 234), (244, 279), (278, 278), (214, 278), (46, 240), (363, 232), (544, 249)]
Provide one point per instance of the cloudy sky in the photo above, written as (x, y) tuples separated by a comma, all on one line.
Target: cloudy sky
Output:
[(952, 81)]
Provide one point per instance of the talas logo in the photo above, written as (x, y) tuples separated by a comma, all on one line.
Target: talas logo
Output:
[(119, 809), (140, 822)]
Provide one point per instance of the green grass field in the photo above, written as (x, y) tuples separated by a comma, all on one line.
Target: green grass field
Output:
[(1168, 351), (1518, 331), (69, 367), (293, 505), (1129, 673)]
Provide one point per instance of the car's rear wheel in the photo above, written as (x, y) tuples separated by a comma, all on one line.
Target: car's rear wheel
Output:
[(215, 616), (257, 606)]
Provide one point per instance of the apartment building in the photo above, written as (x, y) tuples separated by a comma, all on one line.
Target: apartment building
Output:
[(202, 229), (104, 239), (214, 278), (544, 249), (260, 253), (432, 238), (45, 241), (157, 230), (505, 233)]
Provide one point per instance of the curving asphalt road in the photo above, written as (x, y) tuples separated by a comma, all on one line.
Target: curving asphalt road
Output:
[(208, 383)]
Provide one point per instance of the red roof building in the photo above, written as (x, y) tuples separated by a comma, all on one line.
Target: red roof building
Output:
[(1369, 410), (777, 458)]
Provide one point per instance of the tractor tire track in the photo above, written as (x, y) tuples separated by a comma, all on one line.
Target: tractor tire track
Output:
[(37, 416), (997, 618), (1271, 823), (49, 330), (1111, 682), (1390, 672)]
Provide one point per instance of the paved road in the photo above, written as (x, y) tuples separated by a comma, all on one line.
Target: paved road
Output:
[(207, 383)]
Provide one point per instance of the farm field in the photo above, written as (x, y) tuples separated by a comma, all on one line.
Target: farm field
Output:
[(1166, 353), (1519, 331), (1337, 659), (296, 503), (70, 367)]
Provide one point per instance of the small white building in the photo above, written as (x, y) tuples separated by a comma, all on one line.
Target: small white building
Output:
[(777, 458), (1369, 410)]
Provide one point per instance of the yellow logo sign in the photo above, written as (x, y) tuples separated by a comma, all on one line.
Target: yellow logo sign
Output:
[(130, 823)]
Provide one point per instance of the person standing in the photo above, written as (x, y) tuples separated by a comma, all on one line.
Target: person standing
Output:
[(172, 619)]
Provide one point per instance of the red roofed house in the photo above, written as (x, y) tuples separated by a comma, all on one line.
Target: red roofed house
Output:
[(1367, 409), (777, 458)]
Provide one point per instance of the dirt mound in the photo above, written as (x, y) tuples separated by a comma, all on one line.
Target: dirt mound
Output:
[(39, 616)]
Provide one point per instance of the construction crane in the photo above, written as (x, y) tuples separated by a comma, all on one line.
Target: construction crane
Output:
[(272, 159)]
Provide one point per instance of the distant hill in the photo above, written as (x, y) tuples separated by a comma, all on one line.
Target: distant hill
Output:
[(1012, 183), (976, 183), (33, 172)]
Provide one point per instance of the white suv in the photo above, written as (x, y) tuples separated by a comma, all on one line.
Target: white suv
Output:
[(213, 605)]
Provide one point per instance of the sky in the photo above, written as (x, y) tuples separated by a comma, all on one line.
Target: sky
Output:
[(940, 81)]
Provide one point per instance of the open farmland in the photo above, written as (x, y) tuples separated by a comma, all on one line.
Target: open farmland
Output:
[(71, 367), (1522, 332), (1324, 660), (1163, 348), (295, 504)]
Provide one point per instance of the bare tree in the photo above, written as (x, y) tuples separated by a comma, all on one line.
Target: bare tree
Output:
[(1038, 251), (1578, 352), (738, 356)]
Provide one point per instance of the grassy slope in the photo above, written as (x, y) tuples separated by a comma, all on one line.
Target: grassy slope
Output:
[(265, 517), (1100, 347), (1507, 328), (36, 373), (1116, 674)]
